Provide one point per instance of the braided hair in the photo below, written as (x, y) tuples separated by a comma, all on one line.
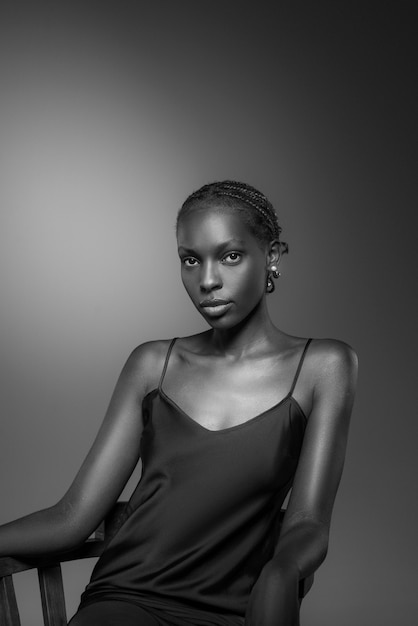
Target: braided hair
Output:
[(256, 210)]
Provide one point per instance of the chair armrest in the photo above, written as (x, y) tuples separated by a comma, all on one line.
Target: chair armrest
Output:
[(12, 565), (92, 547)]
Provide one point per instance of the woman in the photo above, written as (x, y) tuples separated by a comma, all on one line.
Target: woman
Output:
[(226, 422)]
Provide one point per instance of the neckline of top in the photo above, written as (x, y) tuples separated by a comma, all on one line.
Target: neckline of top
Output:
[(289, 395), (252, 420)]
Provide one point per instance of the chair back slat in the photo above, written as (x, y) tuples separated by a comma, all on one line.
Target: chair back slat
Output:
[(52, 595), (9, 613)]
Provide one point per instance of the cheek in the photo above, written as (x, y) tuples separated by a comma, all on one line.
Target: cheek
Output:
[(184, 279), (187, 280), (253, 280)]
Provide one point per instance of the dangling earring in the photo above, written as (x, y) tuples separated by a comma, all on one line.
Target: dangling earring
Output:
[(272, 273), (269, 284)]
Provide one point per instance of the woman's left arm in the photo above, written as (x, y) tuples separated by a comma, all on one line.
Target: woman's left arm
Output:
[(303, 541)]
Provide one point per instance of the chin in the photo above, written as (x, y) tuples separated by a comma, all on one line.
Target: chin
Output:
[(224, 322)]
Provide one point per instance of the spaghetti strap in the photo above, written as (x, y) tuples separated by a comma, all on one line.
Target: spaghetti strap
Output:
[(170, 347), (295, 380)]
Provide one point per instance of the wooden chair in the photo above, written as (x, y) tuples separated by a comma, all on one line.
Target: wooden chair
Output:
[(50, 574)]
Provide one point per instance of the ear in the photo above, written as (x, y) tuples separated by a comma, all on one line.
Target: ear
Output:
[(274, 253)]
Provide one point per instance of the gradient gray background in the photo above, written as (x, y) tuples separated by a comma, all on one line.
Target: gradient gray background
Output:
[(111, 113)]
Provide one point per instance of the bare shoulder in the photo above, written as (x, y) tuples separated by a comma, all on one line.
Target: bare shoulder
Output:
[(332, 362), (333, 352), (147, 361), (150, 352)]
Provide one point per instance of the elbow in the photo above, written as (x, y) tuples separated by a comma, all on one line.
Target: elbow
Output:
[(317, 534), (303, 544), (70, 529), (323, 543), (317, 542)]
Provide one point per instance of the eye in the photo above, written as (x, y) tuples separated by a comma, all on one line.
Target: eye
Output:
[(232, 258), (190, 261)]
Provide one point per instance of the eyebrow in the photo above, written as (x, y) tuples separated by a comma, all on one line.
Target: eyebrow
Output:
[(218, 248)]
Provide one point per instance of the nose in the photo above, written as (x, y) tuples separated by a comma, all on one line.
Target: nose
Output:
[(210, 278)]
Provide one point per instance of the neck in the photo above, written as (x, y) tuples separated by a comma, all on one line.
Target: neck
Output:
[(247, 337)]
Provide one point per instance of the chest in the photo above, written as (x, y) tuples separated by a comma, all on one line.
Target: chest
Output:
[(223, 396)]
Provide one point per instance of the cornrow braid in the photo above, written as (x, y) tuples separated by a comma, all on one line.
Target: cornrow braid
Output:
[(261, 218)]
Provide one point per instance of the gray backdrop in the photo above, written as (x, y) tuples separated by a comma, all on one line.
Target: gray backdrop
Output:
[(111, 113)]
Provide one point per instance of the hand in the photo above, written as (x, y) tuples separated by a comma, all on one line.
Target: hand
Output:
[(274, 599)]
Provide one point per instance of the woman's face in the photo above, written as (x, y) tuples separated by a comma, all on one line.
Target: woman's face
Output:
[(223, 267)]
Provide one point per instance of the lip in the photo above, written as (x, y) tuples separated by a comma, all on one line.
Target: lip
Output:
[(215, 308), (213, 302)]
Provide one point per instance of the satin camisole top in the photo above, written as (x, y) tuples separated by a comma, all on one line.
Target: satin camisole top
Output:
[(203, 519)]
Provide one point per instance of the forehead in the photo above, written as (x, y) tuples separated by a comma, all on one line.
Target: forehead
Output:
[(213, 225)]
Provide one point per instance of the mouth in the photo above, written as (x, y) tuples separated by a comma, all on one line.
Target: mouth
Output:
[(213, 302), (215, 307)]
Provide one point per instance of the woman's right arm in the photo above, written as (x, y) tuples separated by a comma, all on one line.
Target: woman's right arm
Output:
[(102, 476)]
